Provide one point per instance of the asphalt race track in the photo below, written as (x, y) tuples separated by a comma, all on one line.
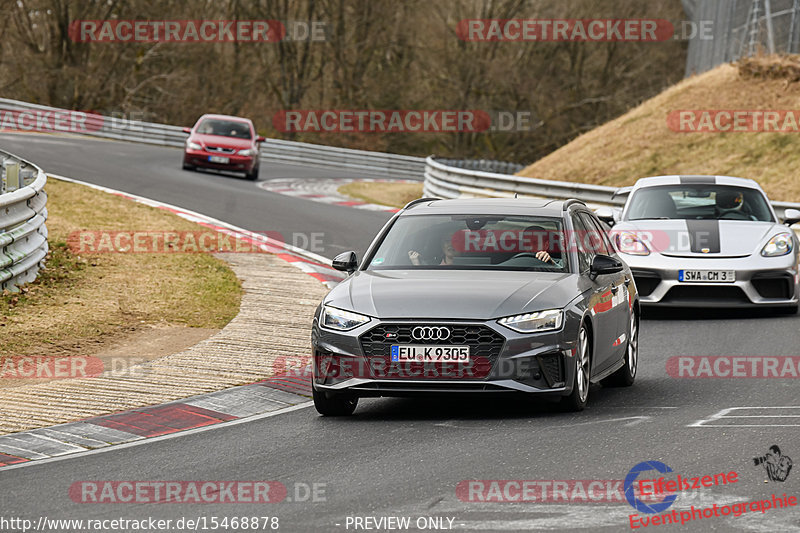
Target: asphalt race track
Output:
[(155, 172), (406, 458)]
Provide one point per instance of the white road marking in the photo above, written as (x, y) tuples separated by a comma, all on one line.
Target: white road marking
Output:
[(636, 420), (724, 415)]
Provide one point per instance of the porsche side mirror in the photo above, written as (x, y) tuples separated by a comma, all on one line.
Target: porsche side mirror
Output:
[(346, 262), (791, 216), (606, 214)]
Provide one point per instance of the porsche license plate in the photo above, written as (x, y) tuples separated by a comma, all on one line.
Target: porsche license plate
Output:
[(707, 276)]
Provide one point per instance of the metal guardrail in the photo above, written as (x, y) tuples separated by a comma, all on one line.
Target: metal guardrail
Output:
[(446, 179), (23, 212), (272, 150)]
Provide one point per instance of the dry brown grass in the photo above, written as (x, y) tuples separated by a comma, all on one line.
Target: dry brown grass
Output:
[(81, 303), (640, 143), (383, 193)]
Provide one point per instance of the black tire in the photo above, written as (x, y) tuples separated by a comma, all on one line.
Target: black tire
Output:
[(577, 399), (254, 174), (334, 404), (625, 376), (188, 167)]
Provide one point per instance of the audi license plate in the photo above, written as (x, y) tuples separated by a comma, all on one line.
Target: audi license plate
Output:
[(707, 276), (218, 159), (426, 353)]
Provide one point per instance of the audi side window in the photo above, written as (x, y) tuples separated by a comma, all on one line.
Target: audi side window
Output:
[(576, 240), (595, 238)]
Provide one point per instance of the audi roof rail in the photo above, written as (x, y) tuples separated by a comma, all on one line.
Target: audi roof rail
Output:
[(412, 203), (570, 202)]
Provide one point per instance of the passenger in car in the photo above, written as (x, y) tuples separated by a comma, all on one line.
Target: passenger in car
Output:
[(448, 252)]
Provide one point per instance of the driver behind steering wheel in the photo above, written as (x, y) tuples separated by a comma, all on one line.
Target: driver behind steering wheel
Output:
[(540, 238), (730, 202)]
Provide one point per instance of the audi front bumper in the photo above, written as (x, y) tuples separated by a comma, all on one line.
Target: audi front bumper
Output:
[(501, 360)]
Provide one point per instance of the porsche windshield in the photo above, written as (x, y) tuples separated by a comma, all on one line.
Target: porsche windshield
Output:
[(478, 242), (698, 202)]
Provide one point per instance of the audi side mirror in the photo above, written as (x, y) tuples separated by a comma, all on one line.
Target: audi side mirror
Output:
[(346, 262), (604, 264), (187, 130), (791, 216)]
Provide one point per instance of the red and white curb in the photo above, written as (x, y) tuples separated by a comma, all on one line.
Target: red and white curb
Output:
[(312, 264), (238, 403), (325, 190)]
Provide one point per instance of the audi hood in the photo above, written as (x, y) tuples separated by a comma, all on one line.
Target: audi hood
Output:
[(702, 238), (452, 294)]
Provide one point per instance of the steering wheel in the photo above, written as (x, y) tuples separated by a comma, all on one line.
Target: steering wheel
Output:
[(736, 215), (526, 254)]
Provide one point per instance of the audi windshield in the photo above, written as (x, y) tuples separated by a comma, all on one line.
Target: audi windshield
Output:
[(461, 242)]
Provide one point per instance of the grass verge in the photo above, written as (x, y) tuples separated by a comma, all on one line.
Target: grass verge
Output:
[(383, 193), (82, 302), (641, 143)]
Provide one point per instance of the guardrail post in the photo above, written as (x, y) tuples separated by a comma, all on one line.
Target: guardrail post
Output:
[(11, 176)]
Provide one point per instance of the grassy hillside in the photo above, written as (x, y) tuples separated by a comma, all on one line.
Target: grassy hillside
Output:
[(641, 143)]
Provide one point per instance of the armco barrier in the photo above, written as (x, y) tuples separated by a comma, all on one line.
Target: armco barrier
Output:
[(23, 211), (448, 181), (272, 150), (446, 178)]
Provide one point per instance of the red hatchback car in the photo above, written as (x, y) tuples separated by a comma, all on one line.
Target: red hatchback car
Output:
[(223, 142)]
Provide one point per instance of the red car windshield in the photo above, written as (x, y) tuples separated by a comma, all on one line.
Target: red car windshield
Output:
[(224, 128)]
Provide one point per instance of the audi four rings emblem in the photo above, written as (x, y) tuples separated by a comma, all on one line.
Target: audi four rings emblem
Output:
[(430, 333)]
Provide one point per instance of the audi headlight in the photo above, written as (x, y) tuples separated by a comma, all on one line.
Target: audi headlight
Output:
[(246, 151), (534, 322), (193, 145), (780, 244), (630, 243), (340, 319)]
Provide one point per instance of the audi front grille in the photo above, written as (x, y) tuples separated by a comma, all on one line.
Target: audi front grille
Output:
[(485, 345)]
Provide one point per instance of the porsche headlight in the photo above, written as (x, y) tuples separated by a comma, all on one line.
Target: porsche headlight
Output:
[(780, 244), (193, 145), (630, 243), (333, 318), (534, 322)]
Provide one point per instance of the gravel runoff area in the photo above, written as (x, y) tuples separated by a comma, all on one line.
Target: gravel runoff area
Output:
[(273, 326)]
